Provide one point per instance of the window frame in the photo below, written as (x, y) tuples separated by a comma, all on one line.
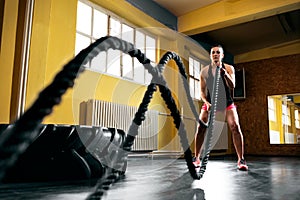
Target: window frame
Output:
[(193, 79)]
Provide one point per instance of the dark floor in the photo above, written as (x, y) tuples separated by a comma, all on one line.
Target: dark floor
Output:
[(271, 178)]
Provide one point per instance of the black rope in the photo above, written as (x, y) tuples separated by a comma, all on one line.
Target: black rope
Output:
[(15, 140), (167, 96), (139, 117), (211, 124), (157, 79)]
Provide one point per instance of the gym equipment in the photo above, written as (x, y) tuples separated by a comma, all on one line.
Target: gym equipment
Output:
[(15, 140), (66, 152), (210, 124)]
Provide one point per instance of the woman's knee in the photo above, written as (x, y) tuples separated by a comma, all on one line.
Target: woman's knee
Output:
[(234, 127)]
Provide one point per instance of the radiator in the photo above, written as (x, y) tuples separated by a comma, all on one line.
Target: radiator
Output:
[(109, 114)]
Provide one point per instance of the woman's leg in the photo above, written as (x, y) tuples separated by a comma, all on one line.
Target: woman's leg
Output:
[(237, 136), (200, 133)]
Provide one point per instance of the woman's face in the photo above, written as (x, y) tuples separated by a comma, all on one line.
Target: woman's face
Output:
[(216, 54)]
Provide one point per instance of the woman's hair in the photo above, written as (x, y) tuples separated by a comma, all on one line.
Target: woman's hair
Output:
[(217, 45)]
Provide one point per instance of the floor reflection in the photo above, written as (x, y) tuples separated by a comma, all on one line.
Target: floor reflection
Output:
[(181, 188)]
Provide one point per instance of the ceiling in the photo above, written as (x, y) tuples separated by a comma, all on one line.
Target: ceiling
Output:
[(181, 7), (244, 37)]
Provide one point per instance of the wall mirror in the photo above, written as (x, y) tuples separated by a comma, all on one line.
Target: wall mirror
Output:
[(284, 118)]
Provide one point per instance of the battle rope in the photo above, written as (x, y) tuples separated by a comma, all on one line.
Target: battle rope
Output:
[(211, 124), (15, 140), (167, 96), (113, 175)]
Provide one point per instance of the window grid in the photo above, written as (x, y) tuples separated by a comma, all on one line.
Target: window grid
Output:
[(120, 64)]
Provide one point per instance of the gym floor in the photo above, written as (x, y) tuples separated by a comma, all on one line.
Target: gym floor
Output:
[(161, 178)]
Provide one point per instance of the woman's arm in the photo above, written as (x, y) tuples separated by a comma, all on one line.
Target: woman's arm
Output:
[(229, 75)]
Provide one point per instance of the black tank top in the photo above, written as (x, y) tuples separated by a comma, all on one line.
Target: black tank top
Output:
[(224, 94)]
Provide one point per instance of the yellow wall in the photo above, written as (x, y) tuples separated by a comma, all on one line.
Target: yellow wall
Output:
[(7, 49), (52, 46), (297, 98)]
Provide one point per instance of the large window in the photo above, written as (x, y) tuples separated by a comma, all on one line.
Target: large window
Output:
[(94, 22), (194, 77)]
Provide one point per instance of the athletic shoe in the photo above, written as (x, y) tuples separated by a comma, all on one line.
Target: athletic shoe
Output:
[(242, 165), (196, 162)]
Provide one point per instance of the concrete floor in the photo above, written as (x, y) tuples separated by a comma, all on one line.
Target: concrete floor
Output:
[(268, 178)]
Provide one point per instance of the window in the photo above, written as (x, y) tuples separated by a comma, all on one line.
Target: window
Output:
[(297, 119), (94, 22), (150, 53), (113, 56), (286, 119), (194, 77), (127, 60), (271, 109), (88, 30), (139, 72)]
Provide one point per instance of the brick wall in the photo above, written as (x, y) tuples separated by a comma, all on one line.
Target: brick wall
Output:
[(266, 77)]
